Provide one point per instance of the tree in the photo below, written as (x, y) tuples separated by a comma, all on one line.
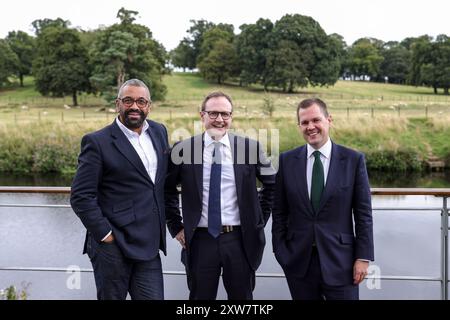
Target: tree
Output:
[(40, 24), (419, 50), (220, 63), (196, 31), (339, 46), (126, 16), (61, 66), (127, 50), (286, 69), (212, 36), (300, 52), (183, 55), (217, 59), (9, 62), (435, 71), (396, 62), (365, 58), (251, 48), (24, 47)]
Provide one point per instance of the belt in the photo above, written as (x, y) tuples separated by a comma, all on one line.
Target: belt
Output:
[(225, 229)]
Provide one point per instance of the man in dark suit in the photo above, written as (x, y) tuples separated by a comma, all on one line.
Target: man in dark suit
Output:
[(222, 228), (118, 193), (321, 187)]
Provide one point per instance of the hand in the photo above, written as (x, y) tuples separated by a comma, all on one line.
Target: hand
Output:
[(109, 239), (360, 271), (181, 239)]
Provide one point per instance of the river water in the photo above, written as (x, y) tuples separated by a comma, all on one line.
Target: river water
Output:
[(407, 243)]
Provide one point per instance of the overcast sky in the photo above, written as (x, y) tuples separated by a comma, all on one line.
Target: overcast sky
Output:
[(169, 19)]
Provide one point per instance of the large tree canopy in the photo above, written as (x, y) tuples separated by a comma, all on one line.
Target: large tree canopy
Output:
[(365, 58), (9, 62), (61, 66), (127, 50), (24, 47), (300, 52), (251, 46)]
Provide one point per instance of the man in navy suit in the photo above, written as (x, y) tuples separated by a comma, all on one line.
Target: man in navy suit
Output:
[(321, 188), (222, 227), (118, 193)]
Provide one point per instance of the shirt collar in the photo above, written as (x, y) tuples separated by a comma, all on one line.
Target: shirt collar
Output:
[(225, 140), (325, 150), (130, 133)]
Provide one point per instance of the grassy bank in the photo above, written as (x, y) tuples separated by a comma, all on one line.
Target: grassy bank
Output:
[(389, 144), (397, 127)]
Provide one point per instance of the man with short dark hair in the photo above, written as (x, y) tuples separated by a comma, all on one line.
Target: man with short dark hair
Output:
[(118, 193), (321, 188), (222, 226)]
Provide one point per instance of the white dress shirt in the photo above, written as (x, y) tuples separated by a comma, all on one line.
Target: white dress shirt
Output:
[(143, 145), (325, 157), (228, 195)]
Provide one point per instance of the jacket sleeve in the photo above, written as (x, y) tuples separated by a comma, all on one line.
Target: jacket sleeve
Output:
[(84, 190), (171, 195), (280, 209), (362, 212), (265, 173)]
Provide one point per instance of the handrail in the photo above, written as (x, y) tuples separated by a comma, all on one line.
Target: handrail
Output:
[(444, 193), (440, 192)]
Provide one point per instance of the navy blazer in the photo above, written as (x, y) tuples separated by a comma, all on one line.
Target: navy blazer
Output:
[(296, 227), (254, 209), (113, 191)]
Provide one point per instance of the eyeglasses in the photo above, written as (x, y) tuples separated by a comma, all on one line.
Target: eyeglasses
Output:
[(129, 101), (214, 114)]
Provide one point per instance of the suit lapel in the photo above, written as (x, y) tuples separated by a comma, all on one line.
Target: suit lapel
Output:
[(334, 171), (197, 148), (158, 148), (126, 149), (237, 165), (299, 174)]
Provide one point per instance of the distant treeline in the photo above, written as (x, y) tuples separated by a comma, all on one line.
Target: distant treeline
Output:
[(295, 52), (292, 52)]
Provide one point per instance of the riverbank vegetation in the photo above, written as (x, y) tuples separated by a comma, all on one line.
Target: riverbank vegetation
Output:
[(398, 127)]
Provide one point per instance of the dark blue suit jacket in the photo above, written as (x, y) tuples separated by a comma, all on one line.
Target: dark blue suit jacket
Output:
[(113, 191), (296, 227), (249, 164)]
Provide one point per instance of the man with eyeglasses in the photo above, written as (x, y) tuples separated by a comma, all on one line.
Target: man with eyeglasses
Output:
[(118, 193), (221, 228)]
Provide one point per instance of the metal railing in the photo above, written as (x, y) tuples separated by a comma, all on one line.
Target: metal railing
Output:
[(444, 210)]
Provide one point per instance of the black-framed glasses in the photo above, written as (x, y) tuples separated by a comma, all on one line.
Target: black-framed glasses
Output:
[(214, 114), (129, 101)]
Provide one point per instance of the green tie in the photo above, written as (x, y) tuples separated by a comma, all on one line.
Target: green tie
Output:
[(316, 181)]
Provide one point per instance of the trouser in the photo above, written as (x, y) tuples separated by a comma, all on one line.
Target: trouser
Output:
[(115, 275), (209, 257), (312, 286)]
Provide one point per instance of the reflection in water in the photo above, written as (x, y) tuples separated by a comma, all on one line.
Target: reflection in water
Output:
[(43, 180), (378, 179)]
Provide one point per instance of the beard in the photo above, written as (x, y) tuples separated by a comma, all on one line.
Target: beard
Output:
[(133, 123)]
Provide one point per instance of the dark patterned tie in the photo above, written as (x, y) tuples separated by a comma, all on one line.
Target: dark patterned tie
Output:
[(214, 214), (317, 181)]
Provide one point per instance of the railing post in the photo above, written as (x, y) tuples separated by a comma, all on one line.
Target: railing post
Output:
[(444, 250)]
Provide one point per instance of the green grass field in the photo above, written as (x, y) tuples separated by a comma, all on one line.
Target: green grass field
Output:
[(390, 123)]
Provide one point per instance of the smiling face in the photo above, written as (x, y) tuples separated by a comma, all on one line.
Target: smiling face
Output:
[(134, 116), (314, 126), (217, 127)]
